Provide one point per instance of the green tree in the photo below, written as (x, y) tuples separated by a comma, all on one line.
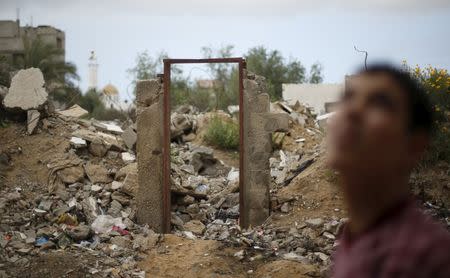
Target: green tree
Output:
[(48, 58), (90, 101), (315, 74), (226, 90), (5, 69), (272, 65), (147, 67), (436, 82)]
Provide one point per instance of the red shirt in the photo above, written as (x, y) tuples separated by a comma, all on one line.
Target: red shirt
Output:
[(404, 243)]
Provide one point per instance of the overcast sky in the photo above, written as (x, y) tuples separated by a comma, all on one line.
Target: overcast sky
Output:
[(324, 31)]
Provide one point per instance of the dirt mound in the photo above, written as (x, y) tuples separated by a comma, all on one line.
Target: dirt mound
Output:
[(181, 257)]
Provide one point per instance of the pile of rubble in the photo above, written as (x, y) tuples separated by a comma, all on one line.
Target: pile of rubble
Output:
[(206, 206), (206, 203), (88, 205)]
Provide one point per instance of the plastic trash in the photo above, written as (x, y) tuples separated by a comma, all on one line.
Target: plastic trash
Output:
[(105, 223), (201, 189), (121, 231), (41, 241)]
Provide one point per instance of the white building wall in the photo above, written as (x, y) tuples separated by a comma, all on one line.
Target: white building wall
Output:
[(313, 95)]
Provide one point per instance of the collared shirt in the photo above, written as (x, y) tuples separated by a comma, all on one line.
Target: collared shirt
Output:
[(403, 243)]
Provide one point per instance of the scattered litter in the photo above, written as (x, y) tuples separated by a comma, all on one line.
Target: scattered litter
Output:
[(105, 223)]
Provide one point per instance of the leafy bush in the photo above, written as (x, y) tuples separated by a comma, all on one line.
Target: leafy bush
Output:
[(222, 133), (93, 104), (437, 85)]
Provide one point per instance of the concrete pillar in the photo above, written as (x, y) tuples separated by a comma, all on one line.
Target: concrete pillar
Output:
[(149, 98), (259, 124)]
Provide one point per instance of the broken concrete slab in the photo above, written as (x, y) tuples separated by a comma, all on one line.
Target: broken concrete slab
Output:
[(97, 148), (129, 136), (71, 175), (108, 127), (27, 91), (195, 226), (32, 120), (97, 173), (74, 111), (77, 142), (110, 141)]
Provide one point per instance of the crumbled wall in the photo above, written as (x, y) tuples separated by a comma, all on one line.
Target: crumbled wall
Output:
[(149, 98)]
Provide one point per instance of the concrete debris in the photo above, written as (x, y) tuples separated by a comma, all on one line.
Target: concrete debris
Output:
[(195, 226), (74, 111), (32, 120), (233, 109), (97, 173), (109, 140), (58, 163), (79, 233), (108, 127), (315, 222), (77, 142), (71, 175), (129, 136), (285, 207), (291, 256), (27, 91), (98, 148), (323, 119), (128, 157)]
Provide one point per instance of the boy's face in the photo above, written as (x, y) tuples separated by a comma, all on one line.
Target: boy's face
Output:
[(368, 135)]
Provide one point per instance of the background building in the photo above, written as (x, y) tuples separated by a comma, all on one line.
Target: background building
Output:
[(320, 97), (12, 37)]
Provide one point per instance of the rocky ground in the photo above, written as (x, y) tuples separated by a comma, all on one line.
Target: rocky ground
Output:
[(67, 203)]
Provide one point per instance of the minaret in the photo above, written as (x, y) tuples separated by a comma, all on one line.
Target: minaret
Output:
[(92, 78)]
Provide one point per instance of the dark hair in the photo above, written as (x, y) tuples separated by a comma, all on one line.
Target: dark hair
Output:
[(420, 108)]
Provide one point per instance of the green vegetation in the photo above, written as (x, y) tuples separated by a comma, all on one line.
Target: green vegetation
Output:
[(268, 63), (92, 103), (273, 66), (437, 85), (222, 133)]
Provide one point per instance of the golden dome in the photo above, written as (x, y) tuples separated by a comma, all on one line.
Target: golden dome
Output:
[(110, 90)]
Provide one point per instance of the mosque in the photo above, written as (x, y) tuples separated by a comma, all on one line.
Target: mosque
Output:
[(109, 94)]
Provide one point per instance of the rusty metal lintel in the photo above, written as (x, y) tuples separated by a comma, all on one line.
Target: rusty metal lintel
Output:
[(166, 134)]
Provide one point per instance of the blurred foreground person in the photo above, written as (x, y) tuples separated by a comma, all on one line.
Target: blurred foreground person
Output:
[(377, 136)]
